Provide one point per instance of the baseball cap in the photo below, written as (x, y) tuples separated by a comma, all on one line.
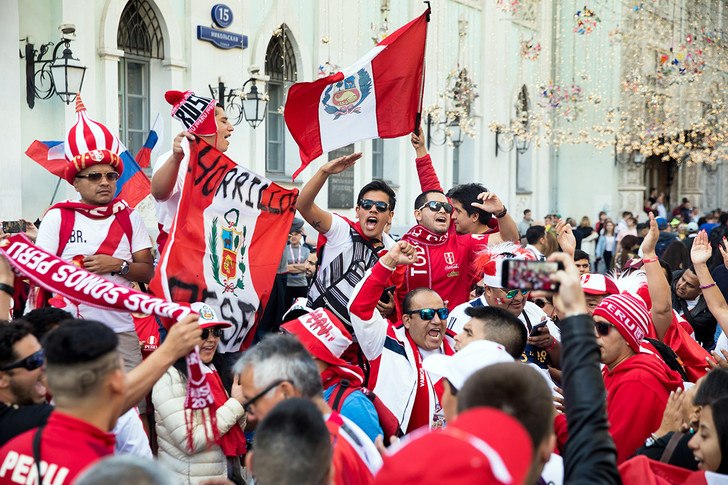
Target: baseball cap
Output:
[(661, 222), (483, 445), (692, 227), (208, 316), (598, 284), (473, 357), (298, 309)]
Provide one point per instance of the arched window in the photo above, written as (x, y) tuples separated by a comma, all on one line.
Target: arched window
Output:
[(280, 66), (140, 37)]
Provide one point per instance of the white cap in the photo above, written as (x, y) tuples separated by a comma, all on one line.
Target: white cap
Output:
[(208, 316), (299, 308), (476, 355)]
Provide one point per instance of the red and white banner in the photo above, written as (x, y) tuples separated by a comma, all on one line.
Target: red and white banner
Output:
[(379, 96), (226, 242), (80, 286)]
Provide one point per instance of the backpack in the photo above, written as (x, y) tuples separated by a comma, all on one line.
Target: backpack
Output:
[(387, 420)]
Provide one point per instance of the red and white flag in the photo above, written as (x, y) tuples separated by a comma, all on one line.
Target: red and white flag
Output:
[(226, 242), (379, 96)]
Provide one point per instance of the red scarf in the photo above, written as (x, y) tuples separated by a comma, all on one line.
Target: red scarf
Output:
[(425, 237), (232, 442), (334, 374), (421, 408), (95, 211)]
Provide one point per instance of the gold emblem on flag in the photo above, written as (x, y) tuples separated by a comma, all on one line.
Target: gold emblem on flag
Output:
[(347, 95), (229, 267)]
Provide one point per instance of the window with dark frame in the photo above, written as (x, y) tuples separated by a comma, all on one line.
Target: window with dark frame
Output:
[(280, 66)]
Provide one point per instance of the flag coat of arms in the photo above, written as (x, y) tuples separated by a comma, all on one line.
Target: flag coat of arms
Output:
[(379, 96), (226, 242)]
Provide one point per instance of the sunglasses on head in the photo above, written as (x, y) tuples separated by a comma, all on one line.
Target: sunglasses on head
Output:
[(436, 205), (429, 313), (216, 332), (367, 204), (603, 328), (541, 302), (31, 362), (97, 176), (512, 293), (477, 289)]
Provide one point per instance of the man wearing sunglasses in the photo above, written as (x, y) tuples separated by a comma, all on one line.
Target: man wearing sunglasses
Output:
[(351, 247), (396, 351), (99, 233)]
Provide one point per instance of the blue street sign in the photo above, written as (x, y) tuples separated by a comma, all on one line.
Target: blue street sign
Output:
[(221, 38), (222, 15)]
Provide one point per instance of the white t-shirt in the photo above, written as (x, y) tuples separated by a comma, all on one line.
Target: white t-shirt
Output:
[(338, 238), (86, 238), (167, 209)]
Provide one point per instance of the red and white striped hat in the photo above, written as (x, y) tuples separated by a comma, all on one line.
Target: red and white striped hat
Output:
[(322, 333), (629, 315), (598, 284), (196, 113), (489, 261), (88, 143)]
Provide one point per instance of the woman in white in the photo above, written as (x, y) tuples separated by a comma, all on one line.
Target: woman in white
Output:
[(204, 461), (606, 245)]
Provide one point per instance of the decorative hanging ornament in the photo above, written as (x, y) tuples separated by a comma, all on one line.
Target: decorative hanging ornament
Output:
[(507, 5), (530, 49), (585, 21)]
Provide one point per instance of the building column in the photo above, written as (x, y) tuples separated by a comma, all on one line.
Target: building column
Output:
[(631, 187), (10, 105), (692, 184)]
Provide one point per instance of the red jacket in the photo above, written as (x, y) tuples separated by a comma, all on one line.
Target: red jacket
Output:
[(68, 446), (637, 392)]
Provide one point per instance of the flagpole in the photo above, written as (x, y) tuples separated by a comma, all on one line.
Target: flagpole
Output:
[(55, 191), (418, 116)]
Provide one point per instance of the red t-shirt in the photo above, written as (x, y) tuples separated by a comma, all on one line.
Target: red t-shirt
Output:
[(148, 332), (68, 446)]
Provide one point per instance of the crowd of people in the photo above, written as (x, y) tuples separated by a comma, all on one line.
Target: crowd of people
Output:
[(377, 359)]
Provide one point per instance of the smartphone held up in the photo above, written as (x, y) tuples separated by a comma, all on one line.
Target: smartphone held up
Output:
[(530, 275)]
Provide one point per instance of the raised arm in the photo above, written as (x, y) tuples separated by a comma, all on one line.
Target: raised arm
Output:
[(490, 202), (7, 279), (313, 214), (165, 178), (700, 254), (659, 288), (565, 237), (425, 170)]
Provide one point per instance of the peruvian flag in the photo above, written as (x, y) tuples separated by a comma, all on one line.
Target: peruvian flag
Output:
[(379, 96), (226, 242)]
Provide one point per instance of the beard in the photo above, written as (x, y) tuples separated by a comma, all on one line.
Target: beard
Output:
[(25, 396)]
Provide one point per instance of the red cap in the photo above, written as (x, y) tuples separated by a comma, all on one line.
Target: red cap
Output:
[(598, 284), (483, 445)]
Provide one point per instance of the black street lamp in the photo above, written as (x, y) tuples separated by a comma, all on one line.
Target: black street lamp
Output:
[(254, 104), (62, 75)]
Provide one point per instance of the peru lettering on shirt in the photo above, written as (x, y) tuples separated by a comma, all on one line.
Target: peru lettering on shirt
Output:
[(68, 446), (86, 238)]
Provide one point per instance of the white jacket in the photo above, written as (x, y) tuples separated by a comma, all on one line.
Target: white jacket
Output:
[(168, 397)]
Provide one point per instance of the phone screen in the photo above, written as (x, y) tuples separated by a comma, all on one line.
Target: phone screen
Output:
[(12, 227), (529, 275)]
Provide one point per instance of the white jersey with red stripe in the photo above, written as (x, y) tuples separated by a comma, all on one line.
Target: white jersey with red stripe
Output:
[(86, 239)]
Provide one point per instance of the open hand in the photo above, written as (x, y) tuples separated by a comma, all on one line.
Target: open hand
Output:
[(489, 202), (701, 251), (338, 165), (565, 237), (650, 241)]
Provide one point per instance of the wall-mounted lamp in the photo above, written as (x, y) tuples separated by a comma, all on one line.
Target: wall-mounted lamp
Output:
[(239, 104), (437, 134), (62, 75), (521, 144)]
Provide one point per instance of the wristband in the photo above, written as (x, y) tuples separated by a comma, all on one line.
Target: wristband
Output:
[(650, 260), (703, 287), (501, 213), (552, 345), (11, 291)]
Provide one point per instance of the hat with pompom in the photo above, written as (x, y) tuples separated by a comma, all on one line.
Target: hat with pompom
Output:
[(89, 143), (196, 113)]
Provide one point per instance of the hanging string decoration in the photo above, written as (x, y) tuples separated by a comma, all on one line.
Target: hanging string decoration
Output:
[(585, 21), (530, 49), (507, 5), (461, 89)]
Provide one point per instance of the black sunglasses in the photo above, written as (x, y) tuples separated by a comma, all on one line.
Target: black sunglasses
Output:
[(541, 302), (31, 362), (436, 205), (216, 332), (603, 328), (367, 204), (429, 313), (251, 401), (97, 176), (479, 290)]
